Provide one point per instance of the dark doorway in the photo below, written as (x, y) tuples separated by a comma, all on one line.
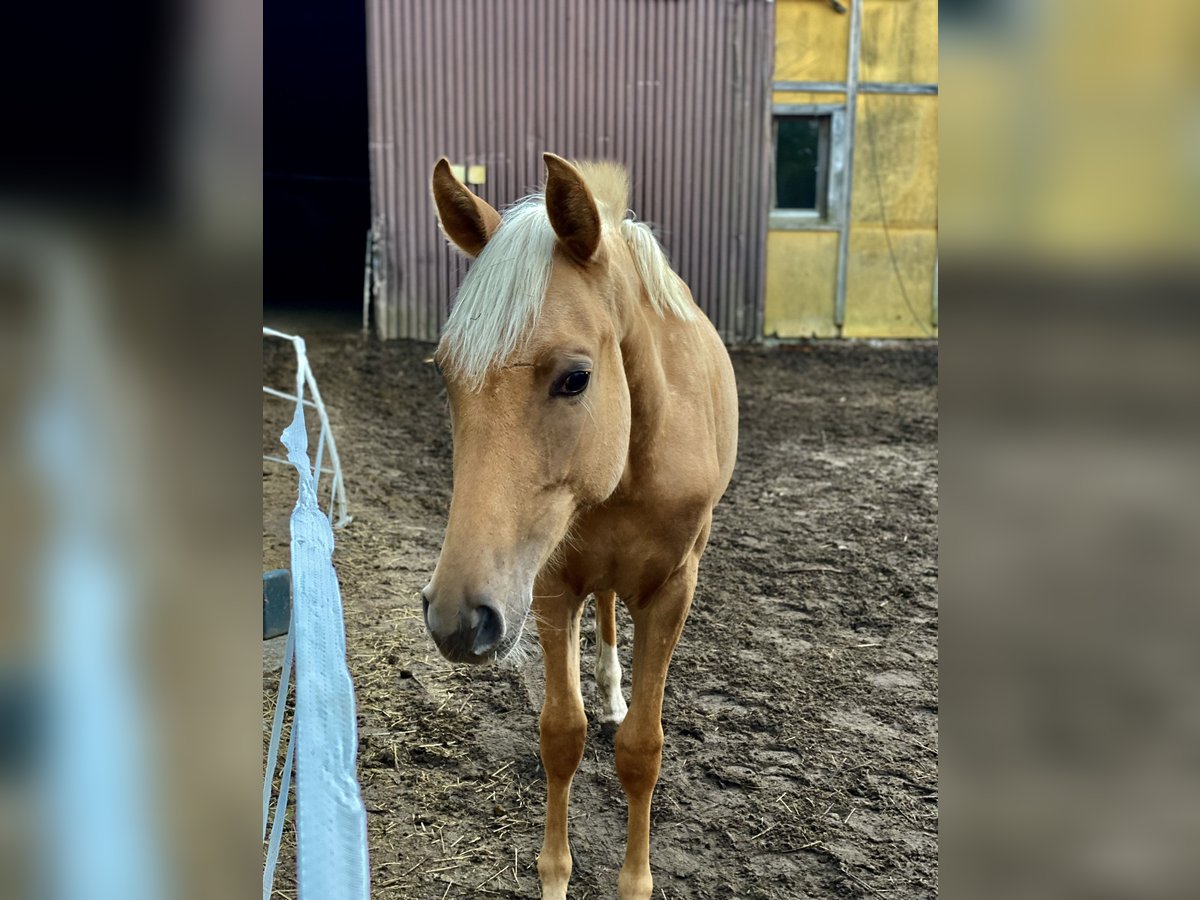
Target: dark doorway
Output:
[(316, 190)]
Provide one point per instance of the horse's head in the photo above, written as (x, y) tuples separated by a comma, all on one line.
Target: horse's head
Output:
[(539, 404)]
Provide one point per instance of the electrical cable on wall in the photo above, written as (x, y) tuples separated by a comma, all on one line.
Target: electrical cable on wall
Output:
[(869, 121)]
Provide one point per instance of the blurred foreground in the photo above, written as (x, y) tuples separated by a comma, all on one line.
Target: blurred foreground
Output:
[(130, 285), (1071, 498)]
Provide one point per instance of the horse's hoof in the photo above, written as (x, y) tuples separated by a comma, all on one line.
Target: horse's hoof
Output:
[(554, 877), (635, 887), (612, 713)]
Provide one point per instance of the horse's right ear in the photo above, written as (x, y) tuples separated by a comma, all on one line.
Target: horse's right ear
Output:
[(466, 220)]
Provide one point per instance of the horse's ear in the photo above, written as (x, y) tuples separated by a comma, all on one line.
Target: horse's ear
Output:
[(466, 220), (571, 209)]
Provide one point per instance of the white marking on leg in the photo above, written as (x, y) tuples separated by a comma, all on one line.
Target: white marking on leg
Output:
[(608, 683)]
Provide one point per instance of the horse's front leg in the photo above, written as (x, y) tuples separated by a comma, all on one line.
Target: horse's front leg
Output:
[(563, 728), (657, 625)]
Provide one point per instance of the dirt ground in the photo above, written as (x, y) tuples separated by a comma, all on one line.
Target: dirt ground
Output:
[(801, 715)]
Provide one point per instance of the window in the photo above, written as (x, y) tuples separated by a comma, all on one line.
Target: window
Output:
[(802, 165), (973, 12)]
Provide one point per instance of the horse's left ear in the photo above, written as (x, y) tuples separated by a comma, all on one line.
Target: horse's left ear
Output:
[(571, 209)]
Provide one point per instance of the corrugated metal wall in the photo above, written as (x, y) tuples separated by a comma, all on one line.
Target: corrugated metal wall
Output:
[(677, 90)]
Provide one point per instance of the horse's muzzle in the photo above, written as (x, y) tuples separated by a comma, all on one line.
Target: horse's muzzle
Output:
[(470, 633)]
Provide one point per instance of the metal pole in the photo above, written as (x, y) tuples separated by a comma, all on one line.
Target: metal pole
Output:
[(864, 87), (935, 292), (366, 309), (852, 57)]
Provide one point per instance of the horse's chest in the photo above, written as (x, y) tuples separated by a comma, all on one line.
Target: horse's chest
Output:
[(631, 547)]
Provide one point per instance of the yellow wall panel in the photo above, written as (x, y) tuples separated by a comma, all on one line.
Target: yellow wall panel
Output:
[(896, 161), (875, 301), (801, 274), (806, 97), (899, 41), (895, 176), (810, 41)]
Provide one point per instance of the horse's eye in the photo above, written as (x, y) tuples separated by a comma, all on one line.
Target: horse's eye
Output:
[(573, 383)]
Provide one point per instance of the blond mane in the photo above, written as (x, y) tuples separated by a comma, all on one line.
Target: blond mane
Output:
[(501, 297)]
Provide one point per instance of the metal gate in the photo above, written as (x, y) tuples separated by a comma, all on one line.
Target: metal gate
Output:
[(677, 90)]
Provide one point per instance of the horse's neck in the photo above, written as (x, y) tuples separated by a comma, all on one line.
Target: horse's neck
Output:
[(642, 353)]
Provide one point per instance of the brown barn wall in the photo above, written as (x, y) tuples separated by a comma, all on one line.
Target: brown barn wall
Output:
[(677, 90)]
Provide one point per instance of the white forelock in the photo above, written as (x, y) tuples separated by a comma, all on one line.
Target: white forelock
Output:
[(501, 297)]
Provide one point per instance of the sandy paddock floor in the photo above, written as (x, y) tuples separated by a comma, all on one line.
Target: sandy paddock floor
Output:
[(801, 713)]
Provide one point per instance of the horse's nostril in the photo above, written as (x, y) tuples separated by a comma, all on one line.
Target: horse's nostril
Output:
[(489, 628), (469, 633)]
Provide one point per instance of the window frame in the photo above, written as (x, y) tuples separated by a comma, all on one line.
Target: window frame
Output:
[(831, 171)]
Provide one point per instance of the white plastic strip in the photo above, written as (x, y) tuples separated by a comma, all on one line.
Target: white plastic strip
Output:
[(284, 395), (304, 379), (277, 729), (105, 848), (331, 822), (325, 470), (285, 784), (96, 766)]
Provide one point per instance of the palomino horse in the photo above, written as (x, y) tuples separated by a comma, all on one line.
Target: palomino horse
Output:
[(594, 417)]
